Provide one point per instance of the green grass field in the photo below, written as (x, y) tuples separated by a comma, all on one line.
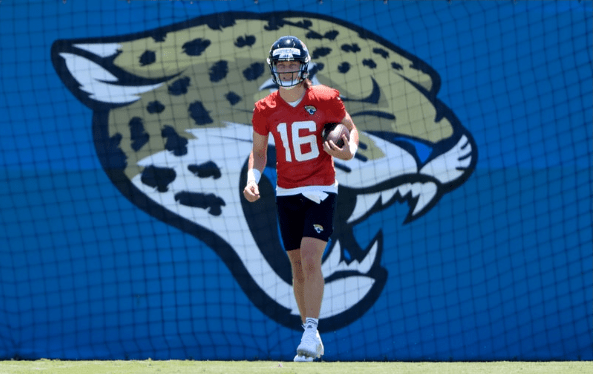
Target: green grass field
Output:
[(263, 367)]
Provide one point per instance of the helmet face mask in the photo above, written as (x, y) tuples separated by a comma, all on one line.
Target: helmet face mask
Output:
[(288, 48), (280, 74)]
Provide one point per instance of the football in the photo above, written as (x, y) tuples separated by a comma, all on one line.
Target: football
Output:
[(334, 131)]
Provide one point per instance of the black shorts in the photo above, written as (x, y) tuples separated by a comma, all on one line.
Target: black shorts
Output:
[(299, 217)]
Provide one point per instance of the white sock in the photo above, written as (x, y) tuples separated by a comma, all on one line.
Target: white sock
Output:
[(311, 321)]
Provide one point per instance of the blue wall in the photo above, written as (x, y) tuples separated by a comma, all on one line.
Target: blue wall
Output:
[(497, 267)]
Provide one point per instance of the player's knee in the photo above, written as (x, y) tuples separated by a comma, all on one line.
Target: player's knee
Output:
[(311, 265)]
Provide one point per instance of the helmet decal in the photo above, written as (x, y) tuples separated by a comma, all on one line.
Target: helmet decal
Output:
[(286, 53)]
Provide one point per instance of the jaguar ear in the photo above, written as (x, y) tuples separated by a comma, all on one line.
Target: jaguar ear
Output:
[(88, 71)]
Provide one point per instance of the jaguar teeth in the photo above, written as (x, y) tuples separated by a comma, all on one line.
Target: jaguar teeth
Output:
[(334, 263), (423, 192), (363, 204)]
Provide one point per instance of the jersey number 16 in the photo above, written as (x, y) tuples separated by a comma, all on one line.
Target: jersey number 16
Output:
[(298, 141)]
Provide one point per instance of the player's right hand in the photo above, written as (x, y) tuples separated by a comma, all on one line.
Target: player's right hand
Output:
[(251, 191)]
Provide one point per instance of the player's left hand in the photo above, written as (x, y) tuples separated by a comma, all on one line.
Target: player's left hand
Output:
[(343, 153)]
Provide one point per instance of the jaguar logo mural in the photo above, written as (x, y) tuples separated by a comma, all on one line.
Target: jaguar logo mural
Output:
[(172, 129)]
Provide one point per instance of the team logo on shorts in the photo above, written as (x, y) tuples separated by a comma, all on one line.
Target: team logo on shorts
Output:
[(318, 228), (172, 129)]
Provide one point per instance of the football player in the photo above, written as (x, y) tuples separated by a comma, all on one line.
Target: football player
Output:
[(306, 188)]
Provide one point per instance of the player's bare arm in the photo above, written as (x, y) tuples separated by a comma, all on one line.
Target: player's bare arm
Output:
[(256, 165), (351, 144)]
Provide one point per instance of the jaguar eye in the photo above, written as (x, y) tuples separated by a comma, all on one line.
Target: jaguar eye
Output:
[(373, 98)]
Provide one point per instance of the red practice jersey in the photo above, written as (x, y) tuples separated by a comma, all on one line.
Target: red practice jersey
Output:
[(300, 157)]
